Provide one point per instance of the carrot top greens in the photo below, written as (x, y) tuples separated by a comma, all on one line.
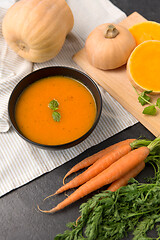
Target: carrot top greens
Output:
[(112, 215)]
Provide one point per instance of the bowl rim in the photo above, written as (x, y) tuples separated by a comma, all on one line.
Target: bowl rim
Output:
[(68, 144)]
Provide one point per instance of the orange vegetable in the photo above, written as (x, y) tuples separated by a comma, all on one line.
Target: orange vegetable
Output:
[(123, 181), (108, 46), (112, 173), (101, 164), (143, 66), (145, 31), (36, 32), (92, 159)]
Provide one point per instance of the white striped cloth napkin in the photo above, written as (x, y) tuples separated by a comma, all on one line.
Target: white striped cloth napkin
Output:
[(19, 161)]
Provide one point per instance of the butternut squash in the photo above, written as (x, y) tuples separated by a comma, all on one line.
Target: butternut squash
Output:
[(143, 67), (36, 29), (108, 46), (145, 31)]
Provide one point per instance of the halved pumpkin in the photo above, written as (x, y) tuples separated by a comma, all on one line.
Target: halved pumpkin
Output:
[(145, 31), (143, 66)]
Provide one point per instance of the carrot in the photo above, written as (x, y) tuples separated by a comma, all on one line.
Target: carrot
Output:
[(123, 181), (112, 173), (92, 159), (101, 164)]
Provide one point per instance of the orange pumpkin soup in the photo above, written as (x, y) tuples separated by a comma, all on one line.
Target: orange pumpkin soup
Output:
[(77, 108)]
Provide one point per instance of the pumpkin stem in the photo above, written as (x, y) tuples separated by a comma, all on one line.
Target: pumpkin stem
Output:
[(111, 31)]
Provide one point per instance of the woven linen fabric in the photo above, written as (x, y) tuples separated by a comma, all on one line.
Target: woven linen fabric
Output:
[(21, 162)]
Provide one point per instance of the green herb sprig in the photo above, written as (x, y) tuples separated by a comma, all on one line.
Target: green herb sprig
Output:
[(143, 98), (54, 105)]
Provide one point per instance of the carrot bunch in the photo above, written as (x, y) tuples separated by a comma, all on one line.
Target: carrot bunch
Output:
[(114, 165)]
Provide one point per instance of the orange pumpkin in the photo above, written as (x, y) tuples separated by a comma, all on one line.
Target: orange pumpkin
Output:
[(145, 31), (143, 67), (109, 46), (36, 29)]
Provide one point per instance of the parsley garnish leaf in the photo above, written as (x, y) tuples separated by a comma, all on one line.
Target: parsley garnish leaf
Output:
[(144, 98), (54, 105), (56, 116), (150, 110), (158, 102)]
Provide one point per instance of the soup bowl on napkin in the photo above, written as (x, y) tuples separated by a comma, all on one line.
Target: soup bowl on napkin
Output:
[(55, 107)]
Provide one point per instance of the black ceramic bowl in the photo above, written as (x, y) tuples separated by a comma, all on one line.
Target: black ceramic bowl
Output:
[(47, 72)]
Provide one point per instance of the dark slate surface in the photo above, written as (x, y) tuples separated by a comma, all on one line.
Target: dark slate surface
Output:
[(19, 218)]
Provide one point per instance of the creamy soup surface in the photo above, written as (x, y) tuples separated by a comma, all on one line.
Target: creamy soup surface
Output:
[(76, 106)]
